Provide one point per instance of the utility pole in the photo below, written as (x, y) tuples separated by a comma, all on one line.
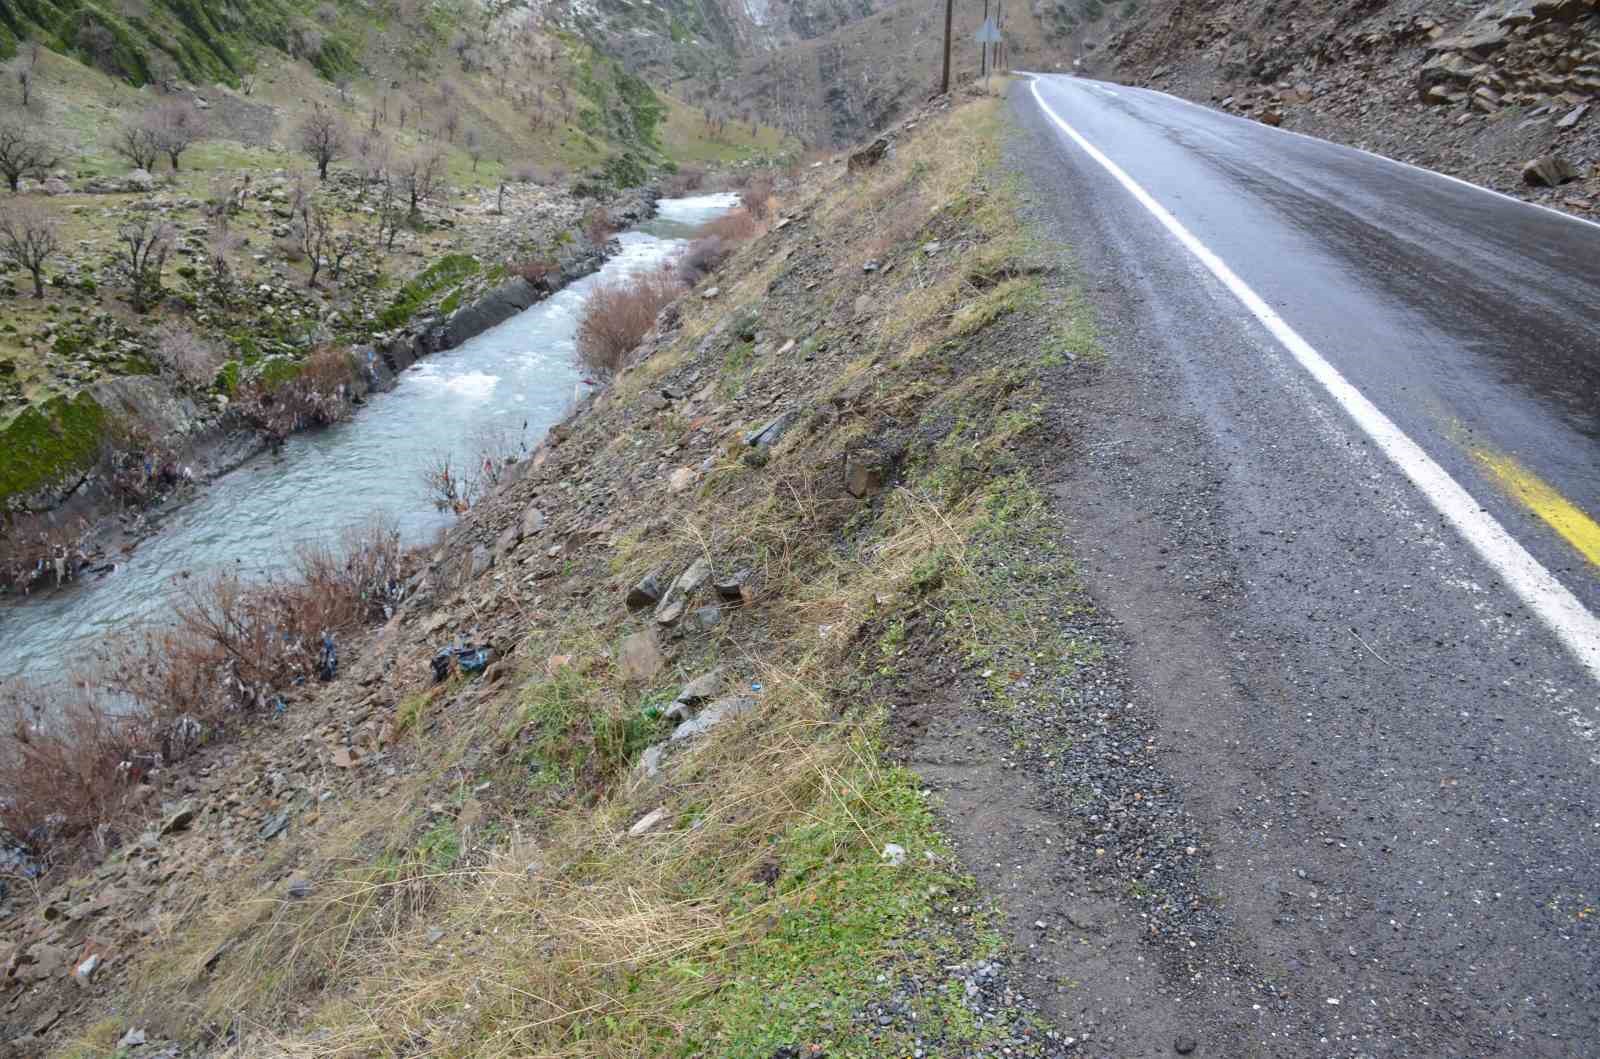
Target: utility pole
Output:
[(983, 65), (949, 14), (999, 24)]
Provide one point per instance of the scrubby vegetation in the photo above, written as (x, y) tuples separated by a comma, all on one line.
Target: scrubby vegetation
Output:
[(771, 885)]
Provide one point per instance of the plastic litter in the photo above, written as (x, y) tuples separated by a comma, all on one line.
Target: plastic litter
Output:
[(328, 663), (471, 658)]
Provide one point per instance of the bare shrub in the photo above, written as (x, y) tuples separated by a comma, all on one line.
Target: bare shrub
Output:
[(735, 226), (757, 197), (597, 226), (686, 180), (536, 270), (702, 257), (38, 547), (316, 395), (145, 242), (452, 486), (29, 237), (22, 154), (323, 138), (617, 315), (65, 766), (174, 127), (187, 355), (137, 145), (420, 176)]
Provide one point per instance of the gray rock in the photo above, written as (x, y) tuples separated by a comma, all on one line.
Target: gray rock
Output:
[(179, 819), (641, 659), (497, 306), (647, 593), (1480, 43), (723, 709), (732, 588), (533, 521), (770, 433), (132, 1039), (482, 560), (274, 826), (1549, 171), (704, 619), (299, 889), (507, 542), (675, 601), (1573, 116), (701, 687), (650, 760), (865, 472), (140, 180)]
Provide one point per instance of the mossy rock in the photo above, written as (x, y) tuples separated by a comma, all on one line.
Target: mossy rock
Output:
[(50, 445), (443, 274)]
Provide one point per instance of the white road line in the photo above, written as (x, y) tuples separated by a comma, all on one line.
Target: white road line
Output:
[(1576, 628), (1214, 112)]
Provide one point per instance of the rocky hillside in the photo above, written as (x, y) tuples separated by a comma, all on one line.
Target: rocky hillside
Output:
[(1505, 94), (660, 820)]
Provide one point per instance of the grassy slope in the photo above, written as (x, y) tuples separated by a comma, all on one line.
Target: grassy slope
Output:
[(521, 919)]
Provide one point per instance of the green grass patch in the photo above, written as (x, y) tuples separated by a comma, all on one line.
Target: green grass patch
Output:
[(443, 274)]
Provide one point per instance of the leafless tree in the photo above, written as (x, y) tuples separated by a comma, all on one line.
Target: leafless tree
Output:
[(316, 236), (389, 216), (21, 153), (345, 245), (322, 138), (421, 177), (373, 153), (451, 123), (137, 144), (28, 238), (474, 145), (24, 67), (187, 355), (145, 242), (175, 126)]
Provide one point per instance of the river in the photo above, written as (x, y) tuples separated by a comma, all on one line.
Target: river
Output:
[(522, 371)]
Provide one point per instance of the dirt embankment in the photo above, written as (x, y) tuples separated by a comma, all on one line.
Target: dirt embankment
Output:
[(1480, 94)]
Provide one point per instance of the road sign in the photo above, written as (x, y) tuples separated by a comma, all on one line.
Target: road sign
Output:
[(987, 33)]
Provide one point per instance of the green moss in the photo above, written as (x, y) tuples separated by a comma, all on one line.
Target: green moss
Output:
[(443, 274), (50, 444), (228, 378), (451, 303)]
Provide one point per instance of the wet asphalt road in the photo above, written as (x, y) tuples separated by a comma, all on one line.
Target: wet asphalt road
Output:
[(1395, 764)]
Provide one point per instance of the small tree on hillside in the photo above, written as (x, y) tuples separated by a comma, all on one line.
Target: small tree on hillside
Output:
[(28, 238), (373, 154), (24, 67), (137, 145), (175, 126), (323, 138), (421, 176), (145, 242), (22, 154), (474, 145)]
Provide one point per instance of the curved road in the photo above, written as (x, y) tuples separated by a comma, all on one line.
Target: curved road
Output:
[(1338, 488)]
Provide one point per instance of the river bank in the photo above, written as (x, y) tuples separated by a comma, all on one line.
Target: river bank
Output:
[(184, 441), (513, 379)]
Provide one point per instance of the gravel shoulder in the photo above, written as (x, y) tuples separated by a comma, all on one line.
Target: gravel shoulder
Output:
[(1308, 789)]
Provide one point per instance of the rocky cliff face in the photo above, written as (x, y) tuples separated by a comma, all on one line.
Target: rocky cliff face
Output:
[(1479, 93)]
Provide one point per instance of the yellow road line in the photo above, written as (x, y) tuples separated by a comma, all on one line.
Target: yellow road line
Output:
[(1562, 515)]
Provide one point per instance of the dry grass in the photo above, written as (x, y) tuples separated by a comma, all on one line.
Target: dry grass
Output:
[(735, 226), (756, 910)]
